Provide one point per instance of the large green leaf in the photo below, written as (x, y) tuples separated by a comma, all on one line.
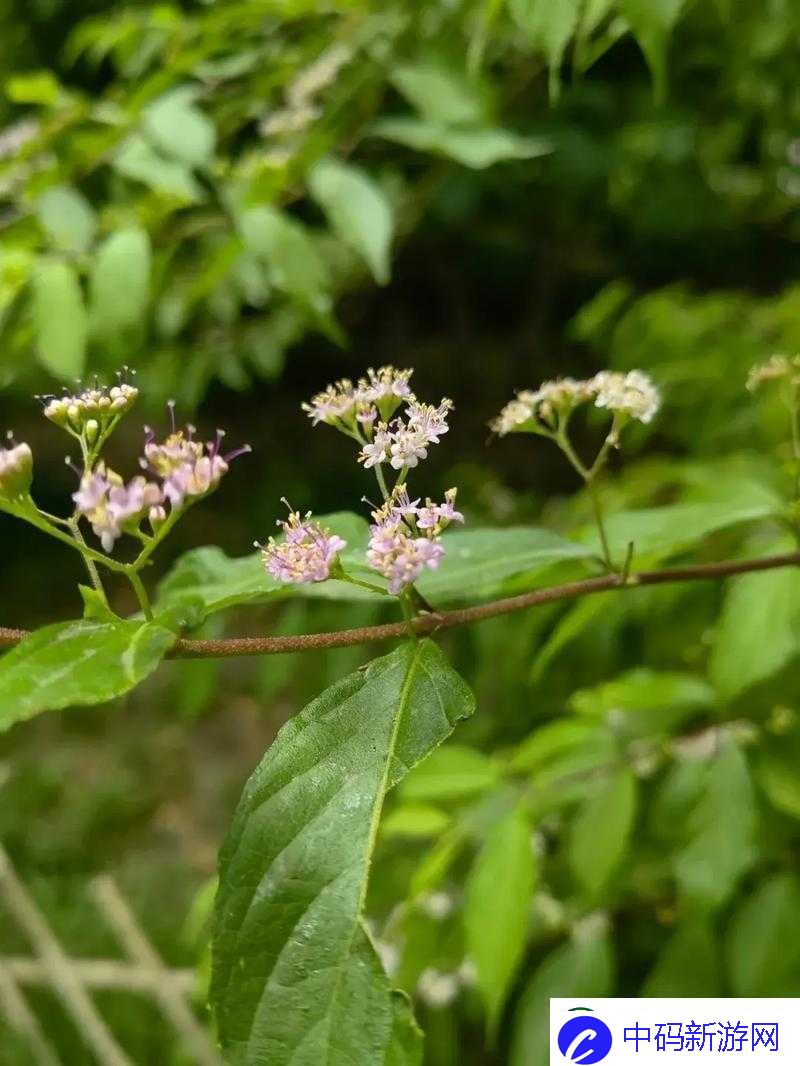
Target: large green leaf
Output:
[(721, 832), (74, 663), (119, 281), (583, 966), (295, 977), (497, 908), (357, 209), (67, 217), (758, 631), (59, 318)]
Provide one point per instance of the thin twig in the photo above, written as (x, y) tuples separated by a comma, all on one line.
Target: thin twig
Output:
[(343, 638)]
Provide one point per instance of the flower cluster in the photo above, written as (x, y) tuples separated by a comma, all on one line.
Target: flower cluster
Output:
[(185, 468), (188, 467), (405, 534), (404, 442), (404, 537), (631, 395), (93, 412), (16, 470), (374, 398), (306, 553), (777, 368)]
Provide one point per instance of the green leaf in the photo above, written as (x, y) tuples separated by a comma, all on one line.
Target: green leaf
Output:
[(758, 632), (59, 318), (76, 663), (67, 217), (581, 967), (477, 148), (119, 282), (660, 532), (358, 210), (136, 158), (497, 909), (180, 129), (688, 966), (651, 22), (294, 972), (763, 946), (721, 845), (296, 265), (479, 561), (440, 95), (601, 830), (451, 772), (644, 702), (549, 26), (551, 741)]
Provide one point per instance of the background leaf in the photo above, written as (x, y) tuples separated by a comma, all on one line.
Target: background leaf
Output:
[(59, 319), (67, 217), (721, 828), (497, 908), (119, 282), (358, 210), (600, 833)]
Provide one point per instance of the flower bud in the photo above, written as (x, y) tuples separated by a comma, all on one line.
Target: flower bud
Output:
[(91, 429), (16, 471), (157, 516)]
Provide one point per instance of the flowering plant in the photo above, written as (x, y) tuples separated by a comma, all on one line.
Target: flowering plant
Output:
[(298, 971), (177, 472)]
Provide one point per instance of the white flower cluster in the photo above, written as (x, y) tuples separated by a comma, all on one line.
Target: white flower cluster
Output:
[(631, 395), (373, 399), (776, 368)]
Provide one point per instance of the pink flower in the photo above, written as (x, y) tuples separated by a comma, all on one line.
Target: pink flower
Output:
[(305, 555), (401, 557), (188, 467), (112, 507)]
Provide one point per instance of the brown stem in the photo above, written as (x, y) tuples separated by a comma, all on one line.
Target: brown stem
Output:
[(238, 646)]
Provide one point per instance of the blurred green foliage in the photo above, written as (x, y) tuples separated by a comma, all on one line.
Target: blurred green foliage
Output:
[(244, 199)]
